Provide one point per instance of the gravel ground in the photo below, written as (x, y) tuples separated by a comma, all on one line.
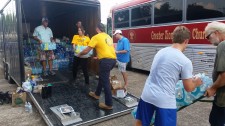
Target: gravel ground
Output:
[(193, 115), (16, 116)]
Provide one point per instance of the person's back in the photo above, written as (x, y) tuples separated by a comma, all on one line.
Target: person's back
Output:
[(164, 74), (104, 45)]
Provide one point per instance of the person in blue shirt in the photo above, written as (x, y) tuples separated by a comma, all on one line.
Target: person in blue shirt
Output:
[(123, 54)]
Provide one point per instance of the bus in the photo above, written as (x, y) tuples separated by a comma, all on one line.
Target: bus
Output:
[(149, 24)]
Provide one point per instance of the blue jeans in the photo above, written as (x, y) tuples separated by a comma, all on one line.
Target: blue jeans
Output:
[(105, 66)]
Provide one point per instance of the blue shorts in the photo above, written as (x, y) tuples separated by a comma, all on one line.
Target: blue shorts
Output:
[(163, 117)]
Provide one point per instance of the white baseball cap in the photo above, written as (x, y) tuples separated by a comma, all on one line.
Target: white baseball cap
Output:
[(117, 32), (44, 19)]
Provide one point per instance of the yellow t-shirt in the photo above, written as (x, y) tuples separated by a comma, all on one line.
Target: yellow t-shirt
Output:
[(103, 44), (82, 41)]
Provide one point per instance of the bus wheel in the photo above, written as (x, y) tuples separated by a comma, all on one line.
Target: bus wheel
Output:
[(129, 65), (5, 71)]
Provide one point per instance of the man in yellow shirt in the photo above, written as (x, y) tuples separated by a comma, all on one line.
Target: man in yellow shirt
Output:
[(103, 44)]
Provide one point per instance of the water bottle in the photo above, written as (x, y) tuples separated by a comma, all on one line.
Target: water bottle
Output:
[(26, 107), (134, 112), (183, 97), (196, 93), (179, 95), (153, 119), (188, 99), (30, 109), (28, 78), (33, 81)]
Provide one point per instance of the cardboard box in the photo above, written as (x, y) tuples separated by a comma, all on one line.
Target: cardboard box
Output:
[(117, 87), (119, 93), (18, 99), (93, 65), (115, 83)]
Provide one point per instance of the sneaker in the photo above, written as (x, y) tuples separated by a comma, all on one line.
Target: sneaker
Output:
[(45, 73), (104, 106), (51, 72), (93, 95)]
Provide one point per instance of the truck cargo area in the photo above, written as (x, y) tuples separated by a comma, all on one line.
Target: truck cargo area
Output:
[(76, 95), (63, 16)]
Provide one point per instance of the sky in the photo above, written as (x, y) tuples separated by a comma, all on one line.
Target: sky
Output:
[(105, 7), (2, 3)]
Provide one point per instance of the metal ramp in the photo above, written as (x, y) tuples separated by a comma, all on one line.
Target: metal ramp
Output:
[(76, 95)]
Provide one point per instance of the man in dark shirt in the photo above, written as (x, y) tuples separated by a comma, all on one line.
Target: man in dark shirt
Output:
[(215, 33)]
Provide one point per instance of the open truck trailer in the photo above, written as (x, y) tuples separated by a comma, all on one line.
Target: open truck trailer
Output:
[(18, 19)]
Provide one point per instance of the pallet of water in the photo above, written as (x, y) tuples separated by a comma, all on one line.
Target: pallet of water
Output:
[(185, 98)]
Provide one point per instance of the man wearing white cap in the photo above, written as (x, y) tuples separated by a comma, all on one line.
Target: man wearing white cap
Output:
[(123, 54), (43, 34)]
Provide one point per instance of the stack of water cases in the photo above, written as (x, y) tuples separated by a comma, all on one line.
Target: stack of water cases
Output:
[(185, 98), (64, 56)]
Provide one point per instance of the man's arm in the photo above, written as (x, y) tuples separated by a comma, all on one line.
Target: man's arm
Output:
[(192, 83), (121, 51), (52, 40), (85, 51), (220, 82), (51, 35), (126, 47), (74, 46), (36, 38), (35, 35)]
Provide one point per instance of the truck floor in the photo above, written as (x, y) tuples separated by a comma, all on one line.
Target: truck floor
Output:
[(76, 95)]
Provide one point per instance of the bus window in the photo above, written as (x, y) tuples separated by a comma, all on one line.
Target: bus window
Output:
[(167, 11), (121, 19), (109, 26), (203, 9), (1, 33), (141, 15)]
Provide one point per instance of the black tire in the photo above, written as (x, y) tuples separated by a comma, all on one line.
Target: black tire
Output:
[(5, 70), (129, 65)]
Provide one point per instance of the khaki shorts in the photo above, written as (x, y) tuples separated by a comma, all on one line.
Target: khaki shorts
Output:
[(122, 66), (46, 55)]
